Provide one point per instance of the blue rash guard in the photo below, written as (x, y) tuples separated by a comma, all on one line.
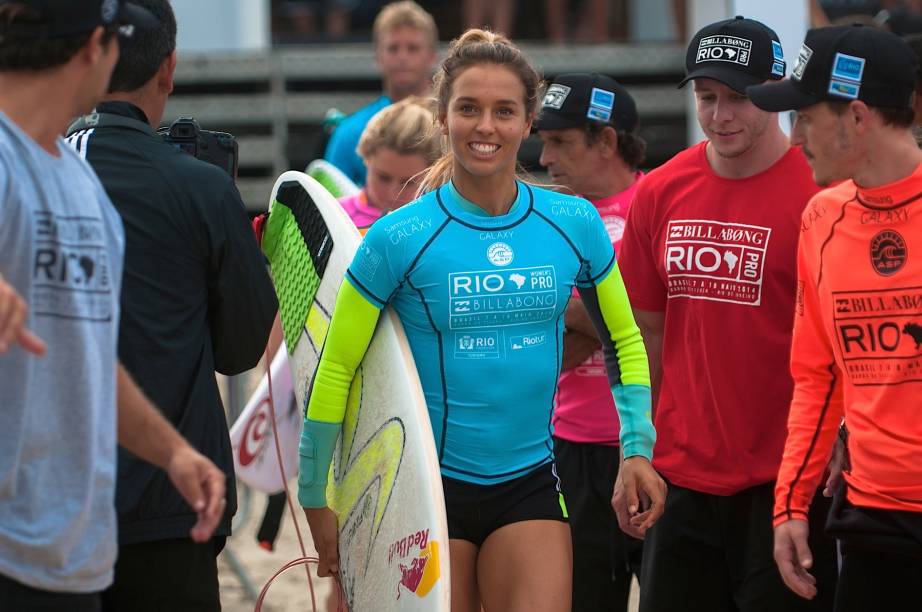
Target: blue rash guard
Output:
[(482, 301), (341, 149)]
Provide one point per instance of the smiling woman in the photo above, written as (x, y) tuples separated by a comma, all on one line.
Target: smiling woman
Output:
[(487, 95), (507, 255)]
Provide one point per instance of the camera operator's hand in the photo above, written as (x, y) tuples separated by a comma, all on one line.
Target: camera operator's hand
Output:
[(13, 313)]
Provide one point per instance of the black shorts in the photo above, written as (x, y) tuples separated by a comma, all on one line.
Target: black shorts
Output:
[(604, 557), (713, 553), (176, 574), (21, 598), (873, 529), (475, 511)]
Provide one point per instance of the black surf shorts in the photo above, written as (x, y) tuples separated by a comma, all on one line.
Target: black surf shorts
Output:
[(475, 511)]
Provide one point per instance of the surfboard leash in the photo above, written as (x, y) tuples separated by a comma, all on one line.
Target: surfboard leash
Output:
[(304, 560)]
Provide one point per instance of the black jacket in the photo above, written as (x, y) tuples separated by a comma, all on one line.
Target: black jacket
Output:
[(196, 298)]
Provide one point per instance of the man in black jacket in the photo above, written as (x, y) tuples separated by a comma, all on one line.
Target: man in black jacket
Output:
[(196, 298)]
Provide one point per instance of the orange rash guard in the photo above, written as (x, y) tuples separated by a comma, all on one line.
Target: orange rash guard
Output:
[(857, 348)]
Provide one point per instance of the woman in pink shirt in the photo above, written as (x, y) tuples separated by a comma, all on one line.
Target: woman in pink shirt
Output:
[(398, 144)]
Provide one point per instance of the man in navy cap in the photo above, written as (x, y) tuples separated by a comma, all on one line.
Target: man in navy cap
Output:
[(587, 127), (856, 351), (708, 262), (66, 403)]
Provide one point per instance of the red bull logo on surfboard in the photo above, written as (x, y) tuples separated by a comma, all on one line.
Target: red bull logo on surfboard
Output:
[(423, 570)]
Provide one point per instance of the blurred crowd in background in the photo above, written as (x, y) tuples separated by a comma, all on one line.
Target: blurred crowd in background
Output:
[(557, 21)]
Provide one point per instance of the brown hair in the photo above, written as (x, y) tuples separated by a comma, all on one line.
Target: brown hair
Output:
[(404, 14), (473, 48), (406, 127), (631, 147), (891, 115), (33, 52)]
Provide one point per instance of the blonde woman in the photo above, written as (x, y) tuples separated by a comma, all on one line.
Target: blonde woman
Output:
[(397, 146)]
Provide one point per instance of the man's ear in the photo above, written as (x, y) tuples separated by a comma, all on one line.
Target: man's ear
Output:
[(166, 72), (94, 48), (859, 116), (608, 140)]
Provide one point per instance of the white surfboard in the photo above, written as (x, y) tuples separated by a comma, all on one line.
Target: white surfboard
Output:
[(255, 458), (331, 177), (253, 442), (385, 485)]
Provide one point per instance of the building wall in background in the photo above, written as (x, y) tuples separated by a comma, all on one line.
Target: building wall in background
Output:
[(222, 25)]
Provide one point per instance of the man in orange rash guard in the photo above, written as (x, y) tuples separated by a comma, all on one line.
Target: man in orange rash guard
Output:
[(857, 347)]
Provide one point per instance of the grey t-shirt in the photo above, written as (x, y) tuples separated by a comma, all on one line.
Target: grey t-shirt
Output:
[(61, 247)]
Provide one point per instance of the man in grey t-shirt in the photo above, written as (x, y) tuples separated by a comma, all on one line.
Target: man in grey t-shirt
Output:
[(66, 404)]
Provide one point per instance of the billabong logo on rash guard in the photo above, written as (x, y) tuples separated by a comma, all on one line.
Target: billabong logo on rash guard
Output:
[(879, 335), (494, 298)]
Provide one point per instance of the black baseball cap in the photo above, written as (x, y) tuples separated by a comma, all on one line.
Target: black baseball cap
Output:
[(574, 100), (738, 52), (845, 63), (69, 17)]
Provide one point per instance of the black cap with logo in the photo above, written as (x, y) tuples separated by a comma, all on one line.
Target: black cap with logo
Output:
[(57, 18), (574, 100), (845, 63), (737, 52)]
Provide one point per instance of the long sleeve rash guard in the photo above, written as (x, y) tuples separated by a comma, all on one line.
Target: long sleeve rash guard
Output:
[(857, 348), (481, 299)]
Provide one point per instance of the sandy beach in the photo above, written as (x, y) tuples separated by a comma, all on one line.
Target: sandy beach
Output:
[(289, 591)]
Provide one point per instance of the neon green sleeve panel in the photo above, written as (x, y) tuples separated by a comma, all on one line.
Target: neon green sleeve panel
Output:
[(626, 361), (619, 320), (351, 328)]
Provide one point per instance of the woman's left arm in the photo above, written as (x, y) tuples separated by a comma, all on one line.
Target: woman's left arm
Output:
[(639, 496), (625, 360)]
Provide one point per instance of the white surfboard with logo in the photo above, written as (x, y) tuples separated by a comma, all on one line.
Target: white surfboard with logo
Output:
[(252, 440), (385, 485)]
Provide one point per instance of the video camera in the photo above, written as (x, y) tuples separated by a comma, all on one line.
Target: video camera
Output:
[(218, 148)]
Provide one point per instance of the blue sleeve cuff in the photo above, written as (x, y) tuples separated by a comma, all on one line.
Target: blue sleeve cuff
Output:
[(637, 432), (318, 439)]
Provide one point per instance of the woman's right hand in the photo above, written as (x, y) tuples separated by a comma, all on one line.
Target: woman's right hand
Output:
[(324, 531)]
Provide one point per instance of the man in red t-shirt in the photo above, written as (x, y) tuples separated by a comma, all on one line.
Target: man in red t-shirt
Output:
[(587, 126), (708, 258), (857, 348)]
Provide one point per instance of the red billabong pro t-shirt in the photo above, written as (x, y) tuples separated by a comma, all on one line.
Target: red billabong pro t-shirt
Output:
[(585, 410), (717, 256)]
